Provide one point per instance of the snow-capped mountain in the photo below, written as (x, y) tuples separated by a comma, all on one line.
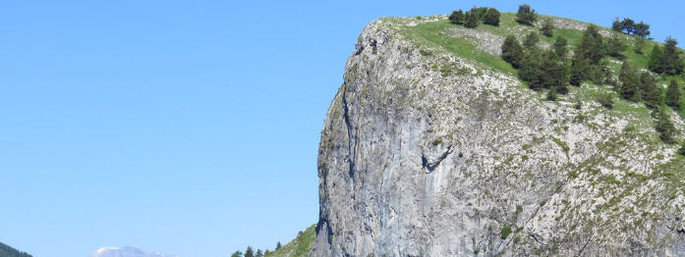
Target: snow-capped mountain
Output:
[(126, 252)]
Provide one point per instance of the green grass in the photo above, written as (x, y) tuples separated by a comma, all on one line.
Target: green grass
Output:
[(298, 247), (437, 35)]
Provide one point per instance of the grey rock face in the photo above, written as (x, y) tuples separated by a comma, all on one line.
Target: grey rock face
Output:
[(416, 162), (125, 252)]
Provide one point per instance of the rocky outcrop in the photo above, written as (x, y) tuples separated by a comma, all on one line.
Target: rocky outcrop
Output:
[(426, 153)]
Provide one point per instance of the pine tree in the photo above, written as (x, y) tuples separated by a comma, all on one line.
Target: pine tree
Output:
[(547, 28), (491, 17), (259, 253), (651, 92), (673, 62), (656, 60), (580, 70), (249, 252), (278, 245), (628, 25), (525, 15), (673, 95), (630, 89), (554, 72), (591, 46), (531, 40), (642, 30), (615, 47), (457, 17), (664, 126), (560, 46), (617, 25), (530, 70), (512, 51), (471, 20), (237, 254)]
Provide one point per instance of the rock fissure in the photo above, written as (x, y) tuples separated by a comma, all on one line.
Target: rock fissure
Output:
[(430, 166)]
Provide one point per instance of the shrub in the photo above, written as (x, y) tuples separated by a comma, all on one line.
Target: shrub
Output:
[(547, 28), (606, 100), (525, 15), (491, 17), (457, 17), (512, 51), (505, 232), (673, 95), (471, 20)]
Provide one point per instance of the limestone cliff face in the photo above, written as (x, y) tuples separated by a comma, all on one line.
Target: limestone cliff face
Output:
[(426, 153)]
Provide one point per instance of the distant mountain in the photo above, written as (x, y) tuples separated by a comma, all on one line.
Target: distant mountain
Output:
[(125, 252), (7, 251)]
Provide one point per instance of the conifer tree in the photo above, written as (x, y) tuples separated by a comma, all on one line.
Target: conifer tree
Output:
[(525, 15), (249, 252), (615, 47), (591, 45), (656, 60), (580, 70), (491, 17), (530, 70), (547, 28), (630, 89), (651, 92), (617, 25), (531, 40), (673, 95), (512, 51), (642, 29), (673, 62), (560, 46), (664, 126), (457, 17), (471, 20)]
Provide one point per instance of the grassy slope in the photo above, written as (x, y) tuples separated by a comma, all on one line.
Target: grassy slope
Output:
[(300, 246)]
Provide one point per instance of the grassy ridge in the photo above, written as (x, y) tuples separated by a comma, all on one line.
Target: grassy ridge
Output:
[(438, 35)]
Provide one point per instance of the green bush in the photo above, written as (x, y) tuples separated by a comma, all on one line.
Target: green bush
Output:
[(526, 15), (491, 17), (505, 232)]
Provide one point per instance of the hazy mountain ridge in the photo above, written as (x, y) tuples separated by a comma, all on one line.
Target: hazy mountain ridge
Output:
[(126, 252)]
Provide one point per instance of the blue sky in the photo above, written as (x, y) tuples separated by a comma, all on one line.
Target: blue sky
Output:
[(189, 127)]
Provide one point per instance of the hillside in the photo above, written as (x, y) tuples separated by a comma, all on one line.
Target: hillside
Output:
[(7, 251), (433, 147), (298, 247)]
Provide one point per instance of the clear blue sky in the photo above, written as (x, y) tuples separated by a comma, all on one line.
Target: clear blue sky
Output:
[(189, 127)]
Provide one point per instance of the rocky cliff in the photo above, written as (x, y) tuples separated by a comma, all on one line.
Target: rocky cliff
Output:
[(428, 152)]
